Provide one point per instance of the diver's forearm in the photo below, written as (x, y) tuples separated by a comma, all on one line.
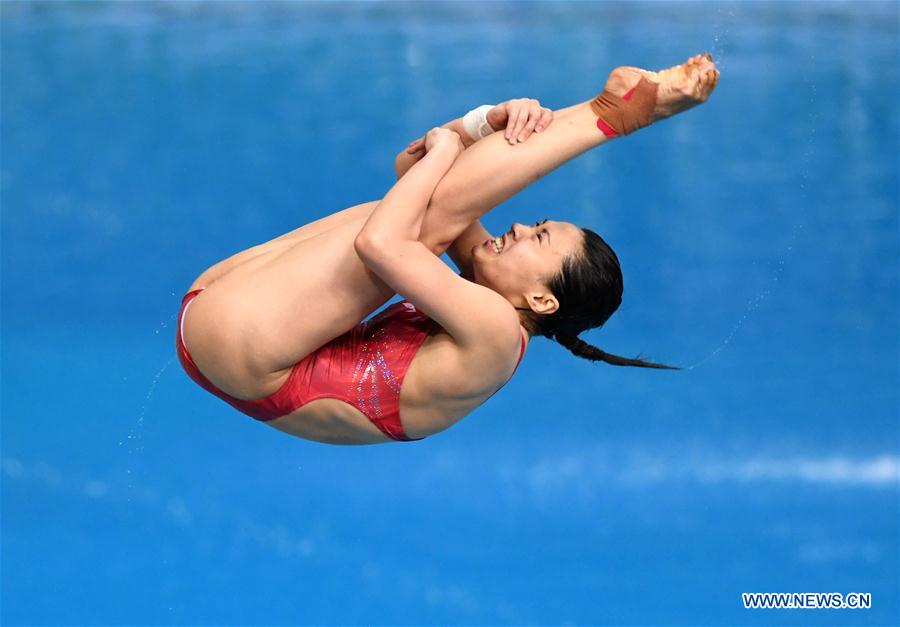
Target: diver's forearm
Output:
[(404, 162), (400, 213)]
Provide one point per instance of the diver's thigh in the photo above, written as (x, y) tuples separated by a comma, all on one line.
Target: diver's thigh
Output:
[(253, 254), (264, 317), (327, 223)]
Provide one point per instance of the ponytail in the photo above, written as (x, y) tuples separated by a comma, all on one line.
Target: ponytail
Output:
[(589, 290), (582, 349)]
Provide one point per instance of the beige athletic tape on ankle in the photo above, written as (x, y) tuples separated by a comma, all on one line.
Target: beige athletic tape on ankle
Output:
[(621, 116)]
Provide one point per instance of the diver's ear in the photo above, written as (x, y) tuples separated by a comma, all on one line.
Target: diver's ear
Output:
[(542, 302)]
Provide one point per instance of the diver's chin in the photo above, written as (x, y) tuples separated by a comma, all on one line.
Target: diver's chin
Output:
[(477, 276)]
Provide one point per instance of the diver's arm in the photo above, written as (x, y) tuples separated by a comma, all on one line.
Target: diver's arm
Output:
[(399, 215), (460, 251)]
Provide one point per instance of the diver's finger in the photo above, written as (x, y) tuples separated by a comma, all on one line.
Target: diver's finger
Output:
[(522, 121), (544, 122), (515, 124), (534, 114), (416, 145)]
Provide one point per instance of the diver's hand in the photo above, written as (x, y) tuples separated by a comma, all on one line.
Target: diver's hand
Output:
[(520, 117), (440, 138), (416, 147)]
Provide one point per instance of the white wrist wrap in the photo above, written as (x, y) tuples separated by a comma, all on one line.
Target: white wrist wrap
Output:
[(476, 124)]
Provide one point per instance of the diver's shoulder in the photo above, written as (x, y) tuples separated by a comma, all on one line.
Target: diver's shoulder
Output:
[(491, 361)]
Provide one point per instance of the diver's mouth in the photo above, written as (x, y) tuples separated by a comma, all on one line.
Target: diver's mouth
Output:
[(499, 243)]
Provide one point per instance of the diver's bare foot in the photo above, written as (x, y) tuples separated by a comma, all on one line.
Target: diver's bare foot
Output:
[(680, 87), (633, 97)]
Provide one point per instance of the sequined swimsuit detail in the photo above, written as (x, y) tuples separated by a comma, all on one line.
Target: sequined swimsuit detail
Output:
[(364, 367)]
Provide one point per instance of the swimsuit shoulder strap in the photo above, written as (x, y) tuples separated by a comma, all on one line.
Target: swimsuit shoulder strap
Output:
[(519, 361), (521, 352)]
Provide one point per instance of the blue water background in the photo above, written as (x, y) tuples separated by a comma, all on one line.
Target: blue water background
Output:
[(758, 236)]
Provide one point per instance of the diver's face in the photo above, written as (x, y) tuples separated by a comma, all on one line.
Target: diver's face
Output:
[(528, 257)]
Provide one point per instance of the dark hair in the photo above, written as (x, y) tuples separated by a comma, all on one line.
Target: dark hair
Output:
[(589, 290)]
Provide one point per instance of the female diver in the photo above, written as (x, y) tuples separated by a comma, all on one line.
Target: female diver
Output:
[(276, 330)]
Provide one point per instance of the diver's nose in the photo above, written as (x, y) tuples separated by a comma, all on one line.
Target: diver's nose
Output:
[(516, 229)]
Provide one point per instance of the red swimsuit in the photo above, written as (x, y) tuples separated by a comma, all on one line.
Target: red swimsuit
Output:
[(364, 367)]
